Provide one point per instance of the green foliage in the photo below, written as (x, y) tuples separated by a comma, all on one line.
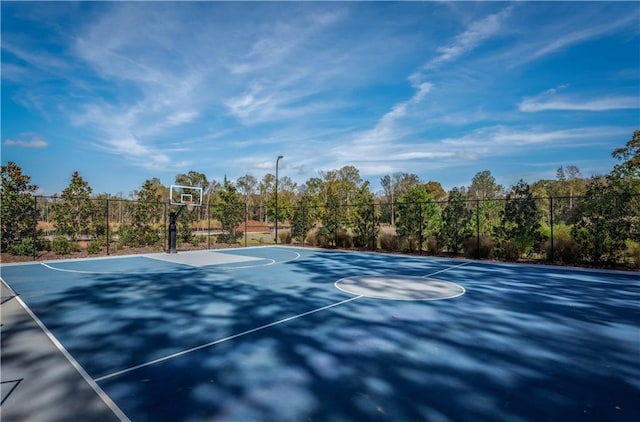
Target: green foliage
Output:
[(520, 221), (418, 216), (63, 246), (302, 220), (73, 215), (604, 224), (456, 222), (25, 247), (95, 247), (17, 216), (365, 219), (230, 211), (633, 252)]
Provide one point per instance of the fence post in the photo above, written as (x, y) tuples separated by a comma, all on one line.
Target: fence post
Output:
[(108, 228), (208, 225), (478, 228), (420, 236), (373, 226), (551, 227), (35, 227), (246, 223)]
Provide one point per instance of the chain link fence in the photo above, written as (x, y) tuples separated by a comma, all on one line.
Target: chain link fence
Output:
[(568, 230)]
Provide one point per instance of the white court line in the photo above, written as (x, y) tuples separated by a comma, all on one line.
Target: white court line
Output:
[(78, 271), (447, 269), (99, 391), (222, 340)]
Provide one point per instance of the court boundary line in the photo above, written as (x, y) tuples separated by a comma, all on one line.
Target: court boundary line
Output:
[(222, 340), (94, 385)]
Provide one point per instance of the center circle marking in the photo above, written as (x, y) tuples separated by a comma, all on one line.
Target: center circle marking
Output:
[(399, 287)]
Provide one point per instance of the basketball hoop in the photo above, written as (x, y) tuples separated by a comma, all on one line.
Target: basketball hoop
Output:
[(190, 205)]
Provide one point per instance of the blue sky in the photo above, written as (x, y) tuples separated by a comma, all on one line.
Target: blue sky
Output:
[(123, 91)]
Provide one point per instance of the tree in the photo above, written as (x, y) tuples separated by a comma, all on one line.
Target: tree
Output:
[(435, 190), (418, 216), (230, 213), (484, 186), (146, 212), (603, 224), (73, 215), (456, 221), (302, 220), (393, 188), (265, 189), (18, 220), (365, 225), (630, 157), (520, 219)]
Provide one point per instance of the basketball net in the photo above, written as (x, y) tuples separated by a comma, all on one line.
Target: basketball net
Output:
[(190, 205)]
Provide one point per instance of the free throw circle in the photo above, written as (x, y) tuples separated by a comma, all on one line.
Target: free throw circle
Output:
[(399, 287)]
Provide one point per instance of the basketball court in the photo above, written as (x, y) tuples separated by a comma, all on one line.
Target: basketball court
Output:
[(302, 334)]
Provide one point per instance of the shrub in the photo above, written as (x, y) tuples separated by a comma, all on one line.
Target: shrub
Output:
[(389, 242), (195, 240), (565, 249), (408, 244), (284, 236), (633, 251), (510, 250), (62, 246), (24, 248), (485, 251), (312, 238), (94, 247), (127, 236), (433, 246), (344, 240)]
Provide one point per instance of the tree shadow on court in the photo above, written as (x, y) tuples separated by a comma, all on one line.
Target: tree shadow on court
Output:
[(37, 381), (519, 345)]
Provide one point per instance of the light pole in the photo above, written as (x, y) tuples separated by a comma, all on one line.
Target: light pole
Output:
[(277, 161)]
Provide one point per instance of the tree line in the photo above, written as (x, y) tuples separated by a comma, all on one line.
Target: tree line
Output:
[(570, 218)]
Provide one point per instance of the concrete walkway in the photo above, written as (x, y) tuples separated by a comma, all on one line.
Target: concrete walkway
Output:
[(40, 383)]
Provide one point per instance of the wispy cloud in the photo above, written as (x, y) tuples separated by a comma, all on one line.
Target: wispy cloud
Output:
[(475, 34), (27, 141), (550, 102), (581, 35)]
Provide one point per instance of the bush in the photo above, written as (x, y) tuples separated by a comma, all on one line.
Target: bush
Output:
[(565, 249), (389, 242), (94, 247), (23, 248), (633, 251), (510, 250), (485, 251), (408, 244), (344, 240), (433, 246), (127, 235), (284, 236), (63, 246)]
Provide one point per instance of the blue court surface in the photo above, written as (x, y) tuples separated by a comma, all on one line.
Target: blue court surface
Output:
[(293, 334)]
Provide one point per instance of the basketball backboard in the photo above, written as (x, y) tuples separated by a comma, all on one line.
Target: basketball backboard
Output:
[(185, 195)]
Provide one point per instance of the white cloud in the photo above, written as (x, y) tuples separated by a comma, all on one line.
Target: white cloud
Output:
[(476, 33), (581, 35), (541, 103), (34, 142)]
